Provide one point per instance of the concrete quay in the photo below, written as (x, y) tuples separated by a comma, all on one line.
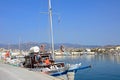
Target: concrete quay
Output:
[(8, 72)]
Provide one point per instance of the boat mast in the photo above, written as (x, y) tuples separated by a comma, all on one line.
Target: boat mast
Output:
[(19, 44), (51, 26)]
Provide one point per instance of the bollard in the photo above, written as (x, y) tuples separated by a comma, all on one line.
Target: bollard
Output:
[(70, 75)]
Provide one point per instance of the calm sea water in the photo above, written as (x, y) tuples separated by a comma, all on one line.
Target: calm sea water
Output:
[(104, 67)]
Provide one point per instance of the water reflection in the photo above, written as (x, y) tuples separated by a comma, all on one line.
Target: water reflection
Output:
[(115, 58), (89, 58), (110, 57)]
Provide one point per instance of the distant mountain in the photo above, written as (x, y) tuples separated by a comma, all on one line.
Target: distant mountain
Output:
[(28, 45)]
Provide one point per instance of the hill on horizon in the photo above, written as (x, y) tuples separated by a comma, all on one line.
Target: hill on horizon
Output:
[(28, 45)]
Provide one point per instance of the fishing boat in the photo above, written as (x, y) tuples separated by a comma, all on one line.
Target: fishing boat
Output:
[(45, 62)]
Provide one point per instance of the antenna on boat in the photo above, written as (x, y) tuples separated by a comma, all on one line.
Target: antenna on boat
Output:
[(51, 26), (19, 43)]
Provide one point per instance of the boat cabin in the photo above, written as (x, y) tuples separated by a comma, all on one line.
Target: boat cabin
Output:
[(34, 60)]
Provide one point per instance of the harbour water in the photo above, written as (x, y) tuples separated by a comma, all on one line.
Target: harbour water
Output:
[(104, 67)]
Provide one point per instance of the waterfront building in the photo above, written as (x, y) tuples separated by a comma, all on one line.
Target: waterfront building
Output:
[(117, 48)]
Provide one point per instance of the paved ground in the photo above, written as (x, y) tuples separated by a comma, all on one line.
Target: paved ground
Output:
[(8, 72)]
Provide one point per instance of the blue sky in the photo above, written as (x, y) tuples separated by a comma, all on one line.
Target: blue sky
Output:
[(86, 22)]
